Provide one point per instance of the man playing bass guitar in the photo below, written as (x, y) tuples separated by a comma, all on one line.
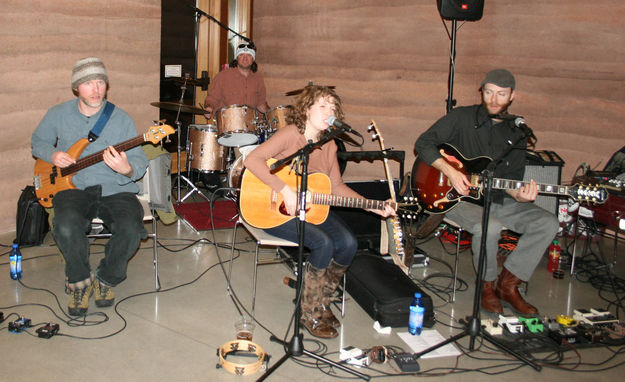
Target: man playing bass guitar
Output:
[(106, 189), (484, 130)]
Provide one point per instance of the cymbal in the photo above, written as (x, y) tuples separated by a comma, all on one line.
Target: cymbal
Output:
[(184, 108), (298, 91), (191, 81)]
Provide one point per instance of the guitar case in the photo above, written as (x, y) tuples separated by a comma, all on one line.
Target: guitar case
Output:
[(384, 291)]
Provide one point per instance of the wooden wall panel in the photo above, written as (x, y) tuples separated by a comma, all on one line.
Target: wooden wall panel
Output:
[(41, 41), (390, 62)]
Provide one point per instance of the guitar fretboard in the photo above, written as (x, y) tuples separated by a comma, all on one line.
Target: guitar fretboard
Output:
[(507, 184), (97, 157), (345, 201)]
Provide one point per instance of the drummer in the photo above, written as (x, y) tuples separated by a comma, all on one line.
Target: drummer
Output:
[(240, 84)]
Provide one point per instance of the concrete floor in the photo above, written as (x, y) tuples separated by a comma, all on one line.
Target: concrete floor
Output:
[(173, 335)]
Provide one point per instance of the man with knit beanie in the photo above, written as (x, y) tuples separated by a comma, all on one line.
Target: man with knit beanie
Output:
[(106, 190), (487, 130)]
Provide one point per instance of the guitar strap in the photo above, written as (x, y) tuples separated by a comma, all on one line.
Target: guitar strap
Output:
[(101, 122)]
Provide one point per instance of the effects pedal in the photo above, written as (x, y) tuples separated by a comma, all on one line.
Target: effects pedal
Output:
[(406, 362), (349, 352), (48, 330), (511, 323), (594, 317), (492, 327), (19, 325)]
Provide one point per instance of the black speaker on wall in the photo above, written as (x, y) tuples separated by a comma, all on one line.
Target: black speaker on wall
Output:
[(466, 10)]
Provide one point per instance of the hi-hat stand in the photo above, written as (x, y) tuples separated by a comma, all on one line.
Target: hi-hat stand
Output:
[(473, 328), (295, 347)]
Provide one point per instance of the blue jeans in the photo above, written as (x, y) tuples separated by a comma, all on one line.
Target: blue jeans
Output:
[(332, 239), (121, 213)]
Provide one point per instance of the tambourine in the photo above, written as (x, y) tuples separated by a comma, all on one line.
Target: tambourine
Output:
[(241, 346)]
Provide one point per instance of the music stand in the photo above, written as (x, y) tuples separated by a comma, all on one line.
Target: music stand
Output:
[(295, 347), (474, 327)]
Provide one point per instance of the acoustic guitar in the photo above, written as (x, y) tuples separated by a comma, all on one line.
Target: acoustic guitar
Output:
[(50, 180), (437, 195), (263, 208)]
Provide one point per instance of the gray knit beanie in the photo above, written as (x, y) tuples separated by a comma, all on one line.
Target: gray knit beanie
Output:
[(88, 69)]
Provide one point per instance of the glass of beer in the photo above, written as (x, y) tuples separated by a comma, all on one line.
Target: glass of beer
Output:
[(244, 328)]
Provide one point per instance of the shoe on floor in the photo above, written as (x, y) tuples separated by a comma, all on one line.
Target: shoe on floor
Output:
[(104, 295), (79, 300)]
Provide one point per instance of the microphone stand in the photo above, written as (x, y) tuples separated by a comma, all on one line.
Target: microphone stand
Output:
[(474, 327), (451, 102), (202, 13), (295, 347)]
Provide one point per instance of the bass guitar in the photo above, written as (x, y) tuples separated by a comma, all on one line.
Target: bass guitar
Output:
[(436, 194), (50, 180), (263, 208)]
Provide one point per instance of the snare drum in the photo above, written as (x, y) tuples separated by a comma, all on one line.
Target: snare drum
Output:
[(237, 124), (236, 170), (206, 154), (276, 117)]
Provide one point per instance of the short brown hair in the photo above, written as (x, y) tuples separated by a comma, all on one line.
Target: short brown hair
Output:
[(306, 99)]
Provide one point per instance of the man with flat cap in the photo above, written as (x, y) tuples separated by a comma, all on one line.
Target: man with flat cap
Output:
[(106, 190), (487, 130)]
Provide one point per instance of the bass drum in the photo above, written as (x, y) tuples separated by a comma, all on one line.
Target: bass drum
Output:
[(236, 169)]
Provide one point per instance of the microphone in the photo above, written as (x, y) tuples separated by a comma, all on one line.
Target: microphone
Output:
[(333, 121), (520, 123)]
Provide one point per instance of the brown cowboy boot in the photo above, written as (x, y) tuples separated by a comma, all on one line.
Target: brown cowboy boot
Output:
[(507, 291), (490, 301), (334, 273), (311, 303)]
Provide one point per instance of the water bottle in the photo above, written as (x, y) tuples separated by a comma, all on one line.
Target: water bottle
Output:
[(15, 260), (417, 311)]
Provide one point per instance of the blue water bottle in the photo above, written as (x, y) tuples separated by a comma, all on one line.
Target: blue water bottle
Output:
[(417, 311), (15, 260)]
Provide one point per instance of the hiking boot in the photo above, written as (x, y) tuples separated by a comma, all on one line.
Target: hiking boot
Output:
[(79, 300), (104, 295)]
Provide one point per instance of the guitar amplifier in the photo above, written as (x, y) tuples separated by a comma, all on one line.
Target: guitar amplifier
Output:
[(544, 167), (366, 225)]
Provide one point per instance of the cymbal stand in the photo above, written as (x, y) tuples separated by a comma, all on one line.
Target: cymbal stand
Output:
[(179, 176)]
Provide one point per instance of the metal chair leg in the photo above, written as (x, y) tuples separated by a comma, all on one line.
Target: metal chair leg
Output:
[(453, 297)]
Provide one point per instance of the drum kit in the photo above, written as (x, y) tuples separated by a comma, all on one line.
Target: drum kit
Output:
[(220, 146)]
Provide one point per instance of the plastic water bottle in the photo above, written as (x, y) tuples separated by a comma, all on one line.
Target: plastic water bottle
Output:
[(417, 311), (15, 260)]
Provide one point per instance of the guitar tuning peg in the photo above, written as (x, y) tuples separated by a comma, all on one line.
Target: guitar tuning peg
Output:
[(370, 127)]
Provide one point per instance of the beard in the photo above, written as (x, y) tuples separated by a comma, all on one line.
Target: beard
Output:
[(494, 110)]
